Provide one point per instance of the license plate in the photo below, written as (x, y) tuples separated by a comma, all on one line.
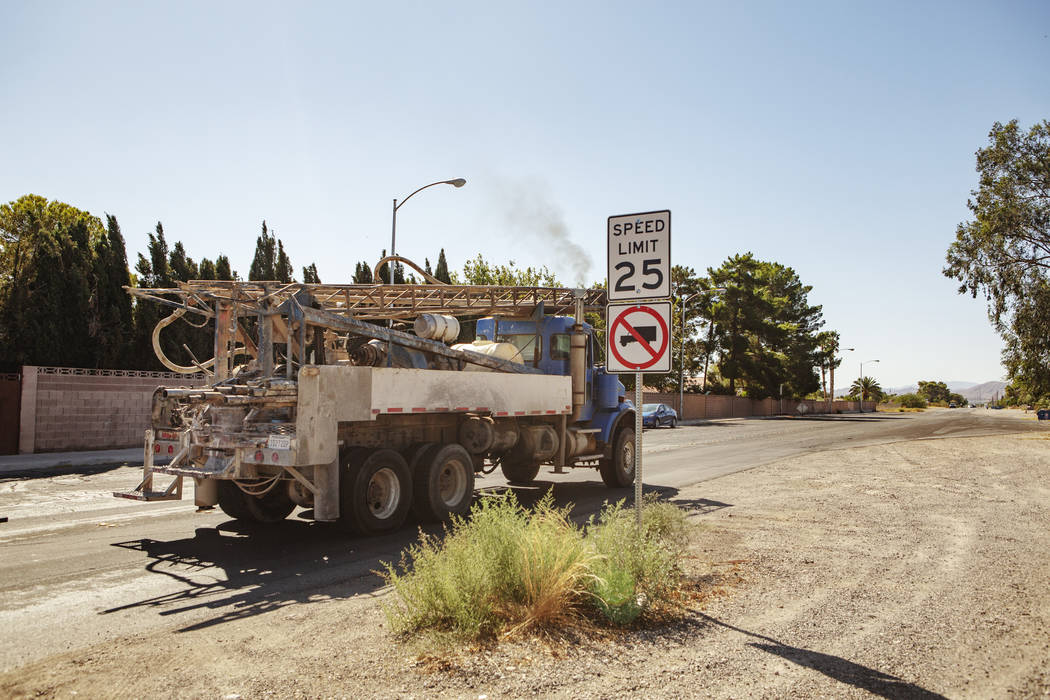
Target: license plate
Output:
[(279, 442)]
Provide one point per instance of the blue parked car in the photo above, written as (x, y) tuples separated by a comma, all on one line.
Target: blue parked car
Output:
[(655, 415)]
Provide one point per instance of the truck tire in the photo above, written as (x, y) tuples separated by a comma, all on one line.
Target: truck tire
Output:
[(519, 470), (375, 491), (231, 500), (443, 483), (618, 470), (272, 507)]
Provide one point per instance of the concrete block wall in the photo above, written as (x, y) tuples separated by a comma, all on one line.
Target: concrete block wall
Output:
[(706, 406), (79, 409)]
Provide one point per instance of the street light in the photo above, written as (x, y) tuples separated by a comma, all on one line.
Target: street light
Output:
[(458, 182), (860, 382), (681, 360)]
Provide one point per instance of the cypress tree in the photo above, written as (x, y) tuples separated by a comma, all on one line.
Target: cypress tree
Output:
[(362, 273), (222, 269), (282, 265), (441, 270), (264, 263), (112, 304), (206, 271)]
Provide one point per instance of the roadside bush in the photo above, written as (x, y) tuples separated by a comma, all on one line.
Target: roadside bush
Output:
[(911, 401), (647, 563), (505, 571)]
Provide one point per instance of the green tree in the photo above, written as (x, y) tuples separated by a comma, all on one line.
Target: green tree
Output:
[(282, 265), (362, 273), (264, 262), (765, 329), (182, 267), (865, 389), (828, 343), (223, 270), (112, 321), (310, 275), (49, 294), (1003, 252), (206, 270), (934, 392), (164, 268), (441, 269), (480, 272), (912, 401)]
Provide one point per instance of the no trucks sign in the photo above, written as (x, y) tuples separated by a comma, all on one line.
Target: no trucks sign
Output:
[(639, 338)]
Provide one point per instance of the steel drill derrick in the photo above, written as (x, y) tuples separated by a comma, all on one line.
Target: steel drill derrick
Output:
[(372, 301)]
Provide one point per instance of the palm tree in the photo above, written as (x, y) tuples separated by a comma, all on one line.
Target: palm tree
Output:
[(866, 387), (828, 342)]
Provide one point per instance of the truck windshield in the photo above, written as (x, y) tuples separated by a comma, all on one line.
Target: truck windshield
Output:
[(525, 343)]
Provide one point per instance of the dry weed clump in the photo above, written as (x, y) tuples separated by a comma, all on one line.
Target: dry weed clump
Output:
[(505, 571)]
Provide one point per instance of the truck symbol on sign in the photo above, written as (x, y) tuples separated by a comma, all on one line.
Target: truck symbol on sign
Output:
[(646, 332)]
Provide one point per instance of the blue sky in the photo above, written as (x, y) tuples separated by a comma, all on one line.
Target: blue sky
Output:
[(837, 138)]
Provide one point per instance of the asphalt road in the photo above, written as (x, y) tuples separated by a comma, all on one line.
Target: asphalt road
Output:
[(80, 567)]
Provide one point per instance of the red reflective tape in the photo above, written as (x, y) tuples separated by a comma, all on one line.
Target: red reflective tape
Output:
[(375, 410), (552, 411), (502, 413), (418, 409), (535, 413), (461, 408), (394, 410), (440, 408), (519, 413)]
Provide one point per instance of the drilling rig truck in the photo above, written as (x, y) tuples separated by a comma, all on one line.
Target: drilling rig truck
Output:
[(356, 402)]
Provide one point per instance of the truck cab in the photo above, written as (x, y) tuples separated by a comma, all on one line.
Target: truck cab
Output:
[(546, 345)]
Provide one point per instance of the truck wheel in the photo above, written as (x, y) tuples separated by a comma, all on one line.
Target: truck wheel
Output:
[(519, 470), (231, 500), (443, 483), (375, 491), (618, 471), (272, 507)]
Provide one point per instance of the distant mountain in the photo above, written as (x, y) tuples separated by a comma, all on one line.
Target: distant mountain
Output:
[(974, 393), (983, 393)]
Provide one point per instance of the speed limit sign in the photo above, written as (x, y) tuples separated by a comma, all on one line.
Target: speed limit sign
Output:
[(639, 259)]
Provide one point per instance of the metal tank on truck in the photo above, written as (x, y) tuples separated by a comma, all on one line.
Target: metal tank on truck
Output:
[(356, 401)]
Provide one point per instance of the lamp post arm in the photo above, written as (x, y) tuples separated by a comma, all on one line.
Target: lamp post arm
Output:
[(455, 183)]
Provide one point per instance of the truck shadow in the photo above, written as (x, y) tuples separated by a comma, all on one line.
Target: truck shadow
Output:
[(238, 571), (864, 677)]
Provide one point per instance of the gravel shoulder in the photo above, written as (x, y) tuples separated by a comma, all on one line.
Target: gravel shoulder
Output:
[(914, 569)]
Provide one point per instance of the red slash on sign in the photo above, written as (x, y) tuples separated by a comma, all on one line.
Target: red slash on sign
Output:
[(651, 337)]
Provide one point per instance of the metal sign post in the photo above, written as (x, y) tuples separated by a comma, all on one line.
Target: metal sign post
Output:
[(638, 448), (638, 340)]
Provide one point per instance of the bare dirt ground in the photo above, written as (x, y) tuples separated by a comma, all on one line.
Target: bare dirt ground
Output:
[(915, 569)]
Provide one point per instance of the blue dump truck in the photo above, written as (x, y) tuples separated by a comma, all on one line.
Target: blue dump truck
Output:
[(370, 404)]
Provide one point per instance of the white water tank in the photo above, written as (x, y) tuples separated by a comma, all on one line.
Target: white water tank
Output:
[(503, 351), (438, 327)]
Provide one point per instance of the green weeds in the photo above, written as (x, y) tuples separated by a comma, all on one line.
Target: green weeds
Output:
[(506, 571)]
